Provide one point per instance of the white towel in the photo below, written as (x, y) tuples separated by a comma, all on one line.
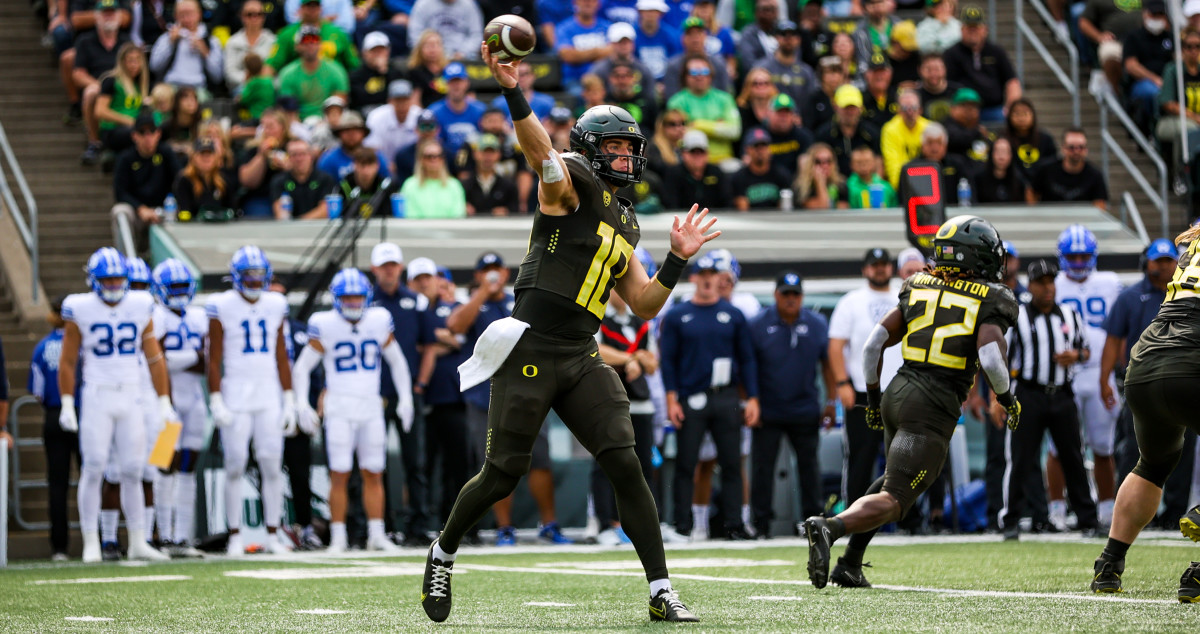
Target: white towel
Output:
[(493, 347)]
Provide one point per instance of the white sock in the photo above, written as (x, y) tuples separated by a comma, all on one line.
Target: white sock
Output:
[(109, 518), (148, 519), (745, 513), (1058, 508), (272, 492), (375, 530), (442, 555), (184, 506), (133, 504), (337, 533), (658, 585), (1105, 510), (700, 516), (164, 506)]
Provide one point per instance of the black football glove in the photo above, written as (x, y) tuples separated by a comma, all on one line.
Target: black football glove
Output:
[(1014, 414), (874, 416)]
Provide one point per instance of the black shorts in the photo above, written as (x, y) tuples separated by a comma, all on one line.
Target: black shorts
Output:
[(1162, 412), (568, 375), (917, 426)]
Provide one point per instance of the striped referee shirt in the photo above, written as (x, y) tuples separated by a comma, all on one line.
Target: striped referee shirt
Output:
[(1037, 337)]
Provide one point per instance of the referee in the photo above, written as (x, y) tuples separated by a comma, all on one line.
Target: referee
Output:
[(1048, 339)]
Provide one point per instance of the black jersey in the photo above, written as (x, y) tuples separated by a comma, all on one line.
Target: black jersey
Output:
[(1170, 346), (941, 322), (574, 260)]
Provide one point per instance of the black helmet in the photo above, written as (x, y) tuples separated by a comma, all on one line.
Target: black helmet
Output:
[(609, 122), (969, 245)]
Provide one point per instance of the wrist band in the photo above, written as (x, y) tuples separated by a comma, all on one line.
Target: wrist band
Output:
[(517, 105), (671, 270), (1006, 399), (874, 397)]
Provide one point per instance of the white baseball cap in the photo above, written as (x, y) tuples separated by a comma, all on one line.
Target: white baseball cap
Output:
[(375, 39), (653, 5), (385, 252), (421, 266), (1190, 8), (910, 254), (618, 31)]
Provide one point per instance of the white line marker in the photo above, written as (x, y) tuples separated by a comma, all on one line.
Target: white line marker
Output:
[(549, 604), (320, 611), (88, 619), (295, 574), (676, 564), (769, 598), (53, 582)]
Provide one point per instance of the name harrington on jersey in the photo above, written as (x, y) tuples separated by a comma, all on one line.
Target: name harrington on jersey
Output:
[(974, 288)]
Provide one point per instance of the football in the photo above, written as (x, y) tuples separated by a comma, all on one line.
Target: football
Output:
[(509, 37)]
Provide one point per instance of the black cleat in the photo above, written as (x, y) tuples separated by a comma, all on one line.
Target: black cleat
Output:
[(435, 589), (848, 576), (110, 551), (666, 606), (1189, 524), (738, 534), (1189, 583), (819, 542), (1107, 579)]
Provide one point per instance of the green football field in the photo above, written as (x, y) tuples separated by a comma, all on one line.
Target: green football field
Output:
[(921, 584)]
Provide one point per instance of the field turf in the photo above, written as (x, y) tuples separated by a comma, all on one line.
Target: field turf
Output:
[(972, 584)]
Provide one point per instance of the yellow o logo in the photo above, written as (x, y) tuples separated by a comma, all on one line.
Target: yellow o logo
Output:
[(529, 371), (947, 231)]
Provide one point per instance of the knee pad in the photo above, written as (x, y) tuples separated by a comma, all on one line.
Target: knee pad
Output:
[(1158, 472)]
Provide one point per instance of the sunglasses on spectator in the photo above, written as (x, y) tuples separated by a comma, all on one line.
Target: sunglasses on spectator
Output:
[(699, 72), (431, 155), (252, 14), (1075, 147), (910, 108)]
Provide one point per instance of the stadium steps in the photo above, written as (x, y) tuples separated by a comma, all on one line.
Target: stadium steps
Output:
[(73, 201), (73, 204), (1053, 105)]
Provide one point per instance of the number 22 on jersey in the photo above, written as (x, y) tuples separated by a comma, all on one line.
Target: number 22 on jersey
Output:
[(934, 300), (612, 246)]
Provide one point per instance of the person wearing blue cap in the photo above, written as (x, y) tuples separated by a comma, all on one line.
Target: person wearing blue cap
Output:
[(457, 114), (1133, 311)]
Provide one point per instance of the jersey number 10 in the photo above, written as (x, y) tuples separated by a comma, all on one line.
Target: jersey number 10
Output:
[(934, 299), (612, 246)]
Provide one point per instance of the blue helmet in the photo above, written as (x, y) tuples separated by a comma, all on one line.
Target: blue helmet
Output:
[(350, 283), (1077, 240), (647, 260), (726, 263), (138, 270), (249, 264), (107, 263), (1010, 249), (173, 284)]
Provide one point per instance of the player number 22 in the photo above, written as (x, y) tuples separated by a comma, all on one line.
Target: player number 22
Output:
[(934, 299), (612, 246)]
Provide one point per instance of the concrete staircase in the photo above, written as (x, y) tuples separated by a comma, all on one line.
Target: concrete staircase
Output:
[(1054, 114), (73, 203)]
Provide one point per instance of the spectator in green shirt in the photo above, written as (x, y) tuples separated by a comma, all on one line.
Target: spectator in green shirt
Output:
[(431, 192), (709, 110), (864, 165), (311, 79), (258, 93), (335, 44)]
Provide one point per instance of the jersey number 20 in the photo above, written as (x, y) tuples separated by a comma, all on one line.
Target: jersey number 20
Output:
[(350, 357), (934, 299)]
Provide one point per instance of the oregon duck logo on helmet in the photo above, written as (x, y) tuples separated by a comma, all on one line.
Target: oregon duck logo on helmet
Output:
[(609, 122), (969, 245)]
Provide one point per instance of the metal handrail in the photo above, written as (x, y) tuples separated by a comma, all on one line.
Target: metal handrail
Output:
[(4, 505), (1107, 101), (1070, 84), (27, 228), (1129, 206), (123, 236), (18, 484)]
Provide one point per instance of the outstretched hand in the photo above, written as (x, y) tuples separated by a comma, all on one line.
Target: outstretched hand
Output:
[(504, 72), (688, 236)]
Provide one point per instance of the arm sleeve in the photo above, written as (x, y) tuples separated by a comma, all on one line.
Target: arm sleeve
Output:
[(872, 351), (994, 367), (401, 377), (302, 370)]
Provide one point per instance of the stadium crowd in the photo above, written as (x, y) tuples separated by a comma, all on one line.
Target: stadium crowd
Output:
[(285, 95)]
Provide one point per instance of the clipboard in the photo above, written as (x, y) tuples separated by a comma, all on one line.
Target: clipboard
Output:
[(163, 453)]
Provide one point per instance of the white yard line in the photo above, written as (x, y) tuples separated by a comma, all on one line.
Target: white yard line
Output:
[(321, 612), (792, 582), (53, 582), (87, 619), (549, 604)]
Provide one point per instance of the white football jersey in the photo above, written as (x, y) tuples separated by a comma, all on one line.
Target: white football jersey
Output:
[(251, 331), (111, 336), (177, 333), (352, 350), (1092, 298)]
